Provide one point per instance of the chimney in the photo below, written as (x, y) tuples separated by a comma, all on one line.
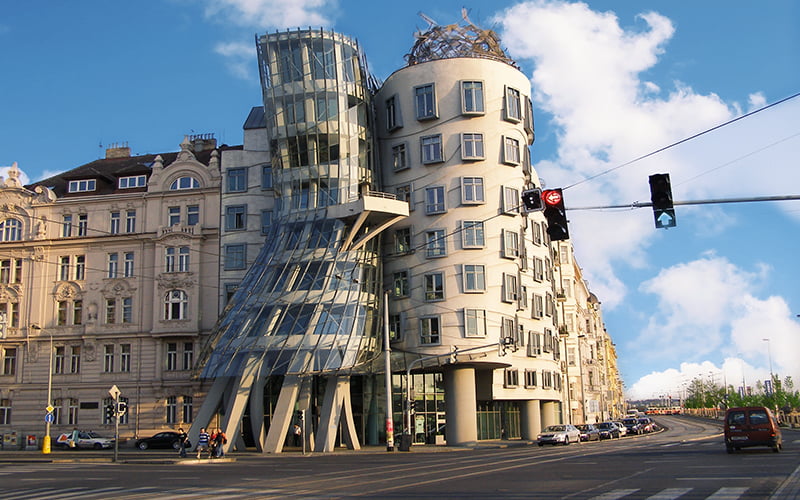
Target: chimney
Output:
[(118, 150), (203, 142)]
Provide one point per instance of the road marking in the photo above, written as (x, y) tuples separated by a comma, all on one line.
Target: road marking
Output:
[(615, 494), (717, 478), (727, 494), (669, 494)]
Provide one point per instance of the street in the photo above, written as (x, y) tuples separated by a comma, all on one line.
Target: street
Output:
[(687, 461)]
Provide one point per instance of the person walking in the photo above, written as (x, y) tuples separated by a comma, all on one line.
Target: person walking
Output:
[(202, 442), (183, 438), (219, 439)]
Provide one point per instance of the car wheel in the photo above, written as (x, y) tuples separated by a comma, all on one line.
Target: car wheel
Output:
[(566, 441), (176, 445), (541, 444), (97, 446), (142, 445), (729, 449)]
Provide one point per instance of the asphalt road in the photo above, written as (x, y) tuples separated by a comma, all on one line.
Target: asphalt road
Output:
[(688, 461)]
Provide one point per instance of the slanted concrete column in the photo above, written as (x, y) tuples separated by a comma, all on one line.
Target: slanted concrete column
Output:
[(461, 406), (530, 419), (549, 413)]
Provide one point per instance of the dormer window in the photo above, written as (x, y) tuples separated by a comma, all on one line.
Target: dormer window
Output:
[(133, 181), (82, 186), (184, 183)]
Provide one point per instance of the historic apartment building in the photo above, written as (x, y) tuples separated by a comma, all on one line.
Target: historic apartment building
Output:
[(267, 269), (113, 268)]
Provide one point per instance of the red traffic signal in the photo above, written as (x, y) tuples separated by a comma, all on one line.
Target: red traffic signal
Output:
[(556, 214)]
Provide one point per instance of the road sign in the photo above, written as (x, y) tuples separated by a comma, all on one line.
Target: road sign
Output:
[(665, 218), (49, 418), (49, 408), (552, 196), (114, 392)]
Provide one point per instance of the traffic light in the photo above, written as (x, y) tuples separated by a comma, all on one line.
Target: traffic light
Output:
[(110, 414), (300, 415), (556, 214), (532, 200), (661, 196)]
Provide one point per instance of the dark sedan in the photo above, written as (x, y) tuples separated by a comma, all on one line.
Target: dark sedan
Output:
[(632, 425), (161, 440), (589, 432), (608, 430)]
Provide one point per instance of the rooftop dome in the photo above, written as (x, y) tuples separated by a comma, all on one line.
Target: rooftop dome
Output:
[(454, 40)]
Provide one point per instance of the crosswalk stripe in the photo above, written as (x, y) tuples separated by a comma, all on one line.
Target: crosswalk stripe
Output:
[(615, 494), (669, 494), (727, 494)]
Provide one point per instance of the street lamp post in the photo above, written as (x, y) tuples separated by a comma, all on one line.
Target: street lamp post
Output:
[(387, 351), (49, 415), (769, 356)]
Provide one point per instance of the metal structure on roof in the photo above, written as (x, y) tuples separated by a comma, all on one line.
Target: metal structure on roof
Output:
[(454, 40)]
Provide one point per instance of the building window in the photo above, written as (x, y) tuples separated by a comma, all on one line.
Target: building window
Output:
[(402, 240), (431, 146), (5, 411), (115, 223), (474, 278), (237, 180), (188, 409), (63, 268), (399, 157), (175, 304), (111, 311), (130, 221), (108, 358), (537, 311), (69, 312), (396, 327), (127, 310), (510, 289), (435, 200), (172, 357), (534, 344), (513, 105), (176, 259), (235, 217), (113, 265), (9, 360), (66, 226), (538, 269), (510, 151), (472, 235), (266, 221), (474, 323), (184, 183), (75, 359), (530, 378), (58, 360), (80, 267), (192, 215), (400, 284), (173, 216), (425, 101), (83, 224), (472, 146), (433, 286), (72, 411), (429, 330), (11, 312), (472, 190), (188, 355), (472, 98), (326, 107), (81, 186), (406, 193), (266, 177), (172, 409), (510, 201), (125, 357), (134, 181), (435, 243), (294, 110), (393, 120), (510, 244), (235, 257), (10, 230), (510, 377), (127, 265)]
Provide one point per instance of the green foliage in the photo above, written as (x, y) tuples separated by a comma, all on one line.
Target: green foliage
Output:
[(704, 394)]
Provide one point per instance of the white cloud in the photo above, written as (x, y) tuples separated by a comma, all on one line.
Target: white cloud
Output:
[(239, 57), (22, 176), (277, 14)]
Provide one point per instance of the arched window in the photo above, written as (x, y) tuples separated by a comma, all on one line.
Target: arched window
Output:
[(176, 303), (186, 182), (10, 230)]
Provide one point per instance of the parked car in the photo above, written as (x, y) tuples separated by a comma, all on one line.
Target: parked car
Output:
[(623, 431), (647, 425), (166, 439), (751, 426), (632, 425), (559, 434), (86, 440), (608, 430), (589, 432)]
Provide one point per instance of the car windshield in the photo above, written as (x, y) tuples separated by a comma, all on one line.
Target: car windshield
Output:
[(629, 421), (555, 428), (604, 425)]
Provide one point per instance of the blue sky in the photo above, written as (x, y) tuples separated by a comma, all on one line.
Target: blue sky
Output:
[(612, 80)]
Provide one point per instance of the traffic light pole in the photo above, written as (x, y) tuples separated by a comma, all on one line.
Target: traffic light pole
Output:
[(644, 204)]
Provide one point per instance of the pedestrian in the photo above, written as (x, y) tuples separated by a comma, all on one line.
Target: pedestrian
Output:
[(202, 442), (218, 440), (297, 433), (74, 438), (183, 439)]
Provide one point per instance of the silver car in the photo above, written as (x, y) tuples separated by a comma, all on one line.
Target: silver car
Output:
[(559, 434)]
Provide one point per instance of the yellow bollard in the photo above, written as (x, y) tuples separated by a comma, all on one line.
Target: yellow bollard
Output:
[(46, 444)]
